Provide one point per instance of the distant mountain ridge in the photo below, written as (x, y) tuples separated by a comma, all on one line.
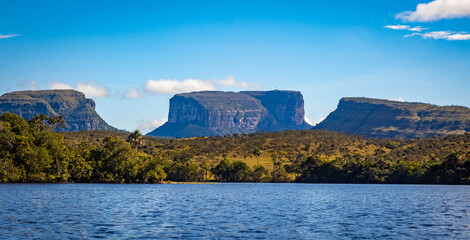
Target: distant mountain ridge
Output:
[(78, 112), (210, 113), (394, 119)]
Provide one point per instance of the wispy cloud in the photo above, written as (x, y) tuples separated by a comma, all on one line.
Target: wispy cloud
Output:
[(399, 99), (405, 27), (92, 89), (29, 85), (437, 10), (446, 35), (171, 86), (60, 85), (133, 93), (418, 29), (231, 82), (2, 36), (147, 126), (397, 27)]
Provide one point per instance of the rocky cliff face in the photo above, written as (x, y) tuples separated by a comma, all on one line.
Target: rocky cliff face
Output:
[(78, 112), (286, 107), (392, 119), (212, 113)]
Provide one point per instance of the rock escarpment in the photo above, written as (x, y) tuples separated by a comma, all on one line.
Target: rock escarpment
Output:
[(286, 107), (393, 119), (78, 112), (211, 113)]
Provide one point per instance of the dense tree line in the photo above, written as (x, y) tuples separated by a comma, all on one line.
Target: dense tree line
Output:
[(32, 151), (454, 169), (238, 171)]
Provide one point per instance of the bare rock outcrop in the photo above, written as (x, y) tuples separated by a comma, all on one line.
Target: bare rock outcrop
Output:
[(210, 113)]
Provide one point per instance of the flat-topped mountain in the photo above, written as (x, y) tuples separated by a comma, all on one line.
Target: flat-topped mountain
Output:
[(210, 113), (393, 119), (78, 112)]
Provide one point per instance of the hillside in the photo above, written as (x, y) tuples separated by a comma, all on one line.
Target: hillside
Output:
[(290, 145), (392, 119), (78, 112), (30, 151)]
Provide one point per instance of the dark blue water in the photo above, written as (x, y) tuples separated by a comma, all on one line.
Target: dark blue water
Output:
[(279, 211)]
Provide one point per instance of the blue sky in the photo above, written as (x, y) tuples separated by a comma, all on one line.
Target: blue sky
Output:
[(132, 56)]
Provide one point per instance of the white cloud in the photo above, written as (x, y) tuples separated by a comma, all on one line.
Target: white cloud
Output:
[(437, 10), (458, 36), (417, 29), (92, 90), (405, 27), (307, 120), (399, 99), (447, 35), (133, 93), (147, 126), (60, 85), (168, 86), (231, 82), (8, 36), (398, 27)]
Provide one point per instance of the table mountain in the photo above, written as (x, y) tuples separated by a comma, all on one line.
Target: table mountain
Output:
[(78, 112), (210, 113), (392, 119)]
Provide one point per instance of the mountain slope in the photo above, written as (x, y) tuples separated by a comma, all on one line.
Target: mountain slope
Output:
[(78, 112), (393, 119)]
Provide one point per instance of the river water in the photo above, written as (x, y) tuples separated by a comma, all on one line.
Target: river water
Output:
[(234, 210)]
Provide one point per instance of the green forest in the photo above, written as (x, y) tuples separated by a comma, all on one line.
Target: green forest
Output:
[(33, 151)]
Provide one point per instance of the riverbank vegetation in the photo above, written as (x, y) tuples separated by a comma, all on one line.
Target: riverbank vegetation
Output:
[(32, 151)]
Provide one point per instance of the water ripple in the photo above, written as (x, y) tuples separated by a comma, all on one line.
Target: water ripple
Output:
[(254, 211)]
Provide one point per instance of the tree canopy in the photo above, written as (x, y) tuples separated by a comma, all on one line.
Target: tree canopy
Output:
[(32, 151)]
